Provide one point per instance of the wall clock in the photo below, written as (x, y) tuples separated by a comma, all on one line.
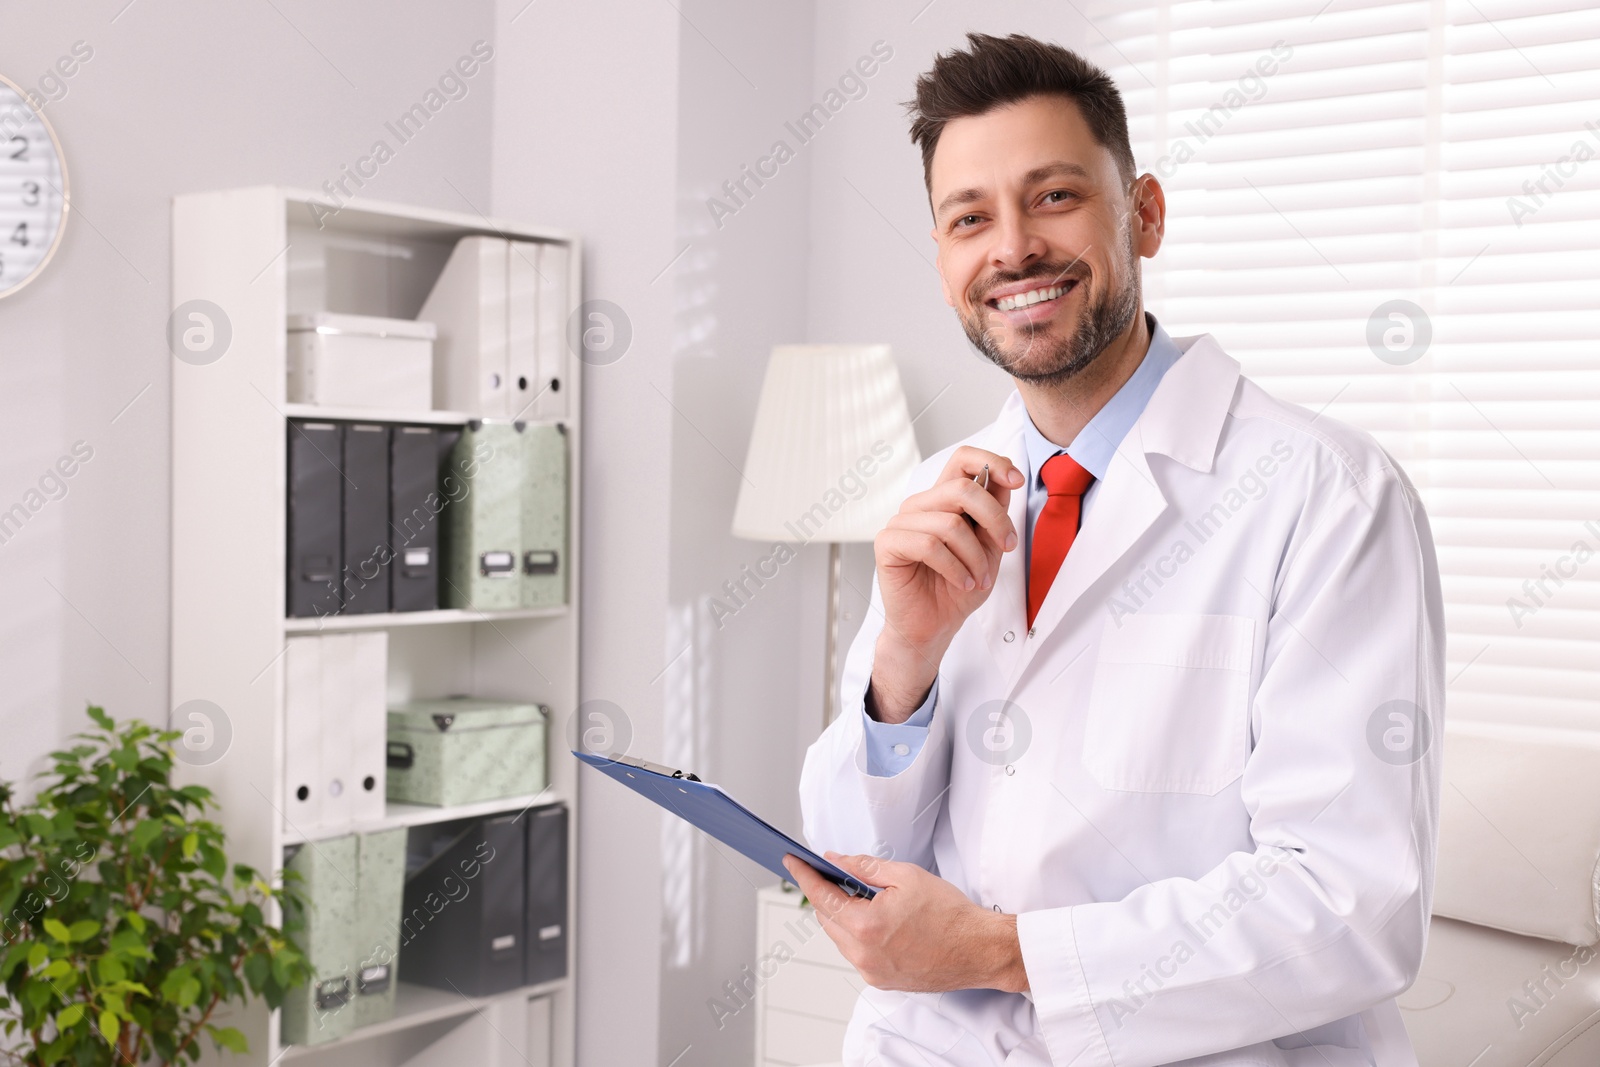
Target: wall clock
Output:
[(33, 189)]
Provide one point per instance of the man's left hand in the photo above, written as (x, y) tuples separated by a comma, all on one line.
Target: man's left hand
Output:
[(919, 935)]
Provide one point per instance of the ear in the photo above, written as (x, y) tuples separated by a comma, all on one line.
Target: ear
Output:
[(1149, 215)]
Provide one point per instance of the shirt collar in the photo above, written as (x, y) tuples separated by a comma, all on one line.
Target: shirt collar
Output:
[(1097, 442)]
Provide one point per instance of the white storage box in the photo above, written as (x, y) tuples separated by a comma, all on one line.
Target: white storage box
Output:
[(360, 361)]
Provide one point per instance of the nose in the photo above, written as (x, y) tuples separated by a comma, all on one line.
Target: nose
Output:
[(1017, 243)]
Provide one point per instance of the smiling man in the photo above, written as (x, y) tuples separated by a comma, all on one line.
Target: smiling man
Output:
[(1140, 737)]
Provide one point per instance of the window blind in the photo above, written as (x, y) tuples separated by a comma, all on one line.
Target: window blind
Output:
[(1390, 212)]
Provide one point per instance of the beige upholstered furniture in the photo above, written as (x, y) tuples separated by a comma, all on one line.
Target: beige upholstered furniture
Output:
[(1512, 972)]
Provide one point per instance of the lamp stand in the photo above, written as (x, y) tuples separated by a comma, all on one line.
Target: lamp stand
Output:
[(831, 665)]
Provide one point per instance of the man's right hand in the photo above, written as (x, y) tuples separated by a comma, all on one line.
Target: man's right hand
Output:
[(934, 569)]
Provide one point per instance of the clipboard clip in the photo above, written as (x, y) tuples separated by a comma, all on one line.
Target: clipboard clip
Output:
[(654, 768)]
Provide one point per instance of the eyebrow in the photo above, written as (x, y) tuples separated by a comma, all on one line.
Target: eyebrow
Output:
[(1060, 169)]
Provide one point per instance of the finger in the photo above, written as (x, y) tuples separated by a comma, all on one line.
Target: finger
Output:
[(898, 547), (953, 532), (828, 898), (873, 870), (983, 507), (968, 462)]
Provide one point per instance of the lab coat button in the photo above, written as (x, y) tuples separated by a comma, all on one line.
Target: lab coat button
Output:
[(1010, 770), (902, 750), (1031, 631), (1008, 636)]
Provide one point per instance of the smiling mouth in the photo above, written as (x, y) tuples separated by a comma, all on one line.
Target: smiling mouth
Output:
[(1042, 295)]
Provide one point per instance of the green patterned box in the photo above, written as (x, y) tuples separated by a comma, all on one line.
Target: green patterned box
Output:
[(544, 516), (483, 532), (380, 889), (461, 750), (320, 1012)]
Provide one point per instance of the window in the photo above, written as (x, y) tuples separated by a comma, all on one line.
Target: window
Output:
[(1390, 212)]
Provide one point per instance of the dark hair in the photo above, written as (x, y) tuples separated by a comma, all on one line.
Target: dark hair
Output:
[(995, 71)]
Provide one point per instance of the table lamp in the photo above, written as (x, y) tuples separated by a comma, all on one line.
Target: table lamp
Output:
[(829, 454)]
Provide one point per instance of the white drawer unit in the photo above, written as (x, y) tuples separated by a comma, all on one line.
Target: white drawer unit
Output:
[(808, 990)]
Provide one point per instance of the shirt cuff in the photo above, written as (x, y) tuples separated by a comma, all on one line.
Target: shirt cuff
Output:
[(892, 747)]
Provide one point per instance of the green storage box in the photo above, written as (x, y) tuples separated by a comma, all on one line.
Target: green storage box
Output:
[(461, 750), (320, 1012), (483, 528), (544, 516), (380, 889)]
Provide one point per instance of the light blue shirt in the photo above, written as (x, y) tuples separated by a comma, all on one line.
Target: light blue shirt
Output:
[(891, 747)]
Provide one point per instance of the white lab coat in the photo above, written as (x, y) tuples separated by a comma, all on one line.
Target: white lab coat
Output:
[(1198, 799)]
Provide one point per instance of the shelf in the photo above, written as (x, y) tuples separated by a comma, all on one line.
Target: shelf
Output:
[(387, 620), (229, 516), (435, 418), (417, 1005), (396, 815)]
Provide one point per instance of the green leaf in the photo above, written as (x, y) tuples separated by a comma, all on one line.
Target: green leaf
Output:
[(135, 920), (8, 836), (127, 942), (83, 929), (257, 970), (189, 992), (101, 719), (37, 954), (58, 930), (146, 832), (111, 969), (214, 863), (109, 1026), (174, 979), (71, 1015), (13, 959), (191, 841), (58, 969), (229, 1038)]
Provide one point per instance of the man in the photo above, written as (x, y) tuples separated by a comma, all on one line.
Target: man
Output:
[(1141, 738)]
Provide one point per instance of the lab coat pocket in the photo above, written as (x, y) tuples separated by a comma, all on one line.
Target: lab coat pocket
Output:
[(1170, 705)]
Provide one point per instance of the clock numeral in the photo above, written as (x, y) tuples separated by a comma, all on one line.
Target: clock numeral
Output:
[(22, 152), (19, 236), (30, 194)]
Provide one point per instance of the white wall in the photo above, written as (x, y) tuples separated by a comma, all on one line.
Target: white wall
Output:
[(735, 709), (177, 97), (586, 138)]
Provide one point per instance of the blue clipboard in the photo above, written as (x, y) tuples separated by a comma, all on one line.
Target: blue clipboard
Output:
[(709, 808)]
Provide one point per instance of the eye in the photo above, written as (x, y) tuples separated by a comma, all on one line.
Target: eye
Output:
[(965, 220), (1058, 196)]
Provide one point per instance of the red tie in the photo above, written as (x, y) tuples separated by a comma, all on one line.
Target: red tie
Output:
[(1065, 482)]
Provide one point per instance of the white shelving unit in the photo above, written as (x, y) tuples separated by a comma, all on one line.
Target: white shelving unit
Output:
[(259, 254)]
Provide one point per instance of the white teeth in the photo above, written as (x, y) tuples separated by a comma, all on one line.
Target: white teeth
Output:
[(1028, 299)]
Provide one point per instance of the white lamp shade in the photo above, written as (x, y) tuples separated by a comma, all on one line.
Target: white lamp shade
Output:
[(831, 446)]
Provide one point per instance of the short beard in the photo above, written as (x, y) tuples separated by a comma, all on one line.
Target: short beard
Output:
[(1106, 319)]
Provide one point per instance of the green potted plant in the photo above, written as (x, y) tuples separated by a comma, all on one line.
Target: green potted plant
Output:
[(122, 927)]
